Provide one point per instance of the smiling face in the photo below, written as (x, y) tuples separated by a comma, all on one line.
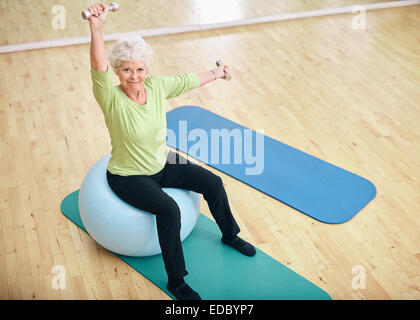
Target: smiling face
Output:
[(132, 75)]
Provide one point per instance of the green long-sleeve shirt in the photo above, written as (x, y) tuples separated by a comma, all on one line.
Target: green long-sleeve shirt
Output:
[(138, 132)]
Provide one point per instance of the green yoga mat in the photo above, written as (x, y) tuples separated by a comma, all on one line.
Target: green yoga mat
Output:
[(217, 271)]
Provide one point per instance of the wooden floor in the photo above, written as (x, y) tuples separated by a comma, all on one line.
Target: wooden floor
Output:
[(350, 97)]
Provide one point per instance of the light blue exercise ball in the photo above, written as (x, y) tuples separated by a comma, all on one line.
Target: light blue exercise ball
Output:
[(122, 228)]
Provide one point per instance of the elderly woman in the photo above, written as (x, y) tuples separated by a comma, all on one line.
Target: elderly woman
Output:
[(135, 115)]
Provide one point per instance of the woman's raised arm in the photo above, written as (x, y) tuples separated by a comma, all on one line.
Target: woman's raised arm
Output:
[(98, 59), (209, 76)]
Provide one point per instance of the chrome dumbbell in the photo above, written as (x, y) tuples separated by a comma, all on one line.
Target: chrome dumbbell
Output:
[(112, 7), (227, 76)]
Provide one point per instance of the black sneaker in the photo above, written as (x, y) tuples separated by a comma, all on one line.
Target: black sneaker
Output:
[(241, 245), (184, 292)]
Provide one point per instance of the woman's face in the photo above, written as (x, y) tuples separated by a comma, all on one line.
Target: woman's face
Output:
[(132, 74)]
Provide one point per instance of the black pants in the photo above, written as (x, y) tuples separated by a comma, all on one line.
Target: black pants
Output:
[(145, 192)]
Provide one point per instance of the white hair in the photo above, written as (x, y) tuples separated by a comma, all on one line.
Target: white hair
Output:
[(131, 48)]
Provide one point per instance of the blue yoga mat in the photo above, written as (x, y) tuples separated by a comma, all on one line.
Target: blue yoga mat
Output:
[(312, 186), (217, 271)]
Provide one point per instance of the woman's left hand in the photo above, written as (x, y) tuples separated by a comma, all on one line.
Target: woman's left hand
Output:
[(221, 71)]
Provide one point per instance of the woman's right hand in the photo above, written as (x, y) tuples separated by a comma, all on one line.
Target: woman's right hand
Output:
[(99, 13)]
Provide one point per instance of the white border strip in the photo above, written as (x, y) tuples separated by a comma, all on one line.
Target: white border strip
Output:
[(198, 27)]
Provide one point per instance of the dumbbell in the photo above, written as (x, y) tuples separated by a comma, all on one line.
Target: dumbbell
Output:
[(112, 7), (227, 76)]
